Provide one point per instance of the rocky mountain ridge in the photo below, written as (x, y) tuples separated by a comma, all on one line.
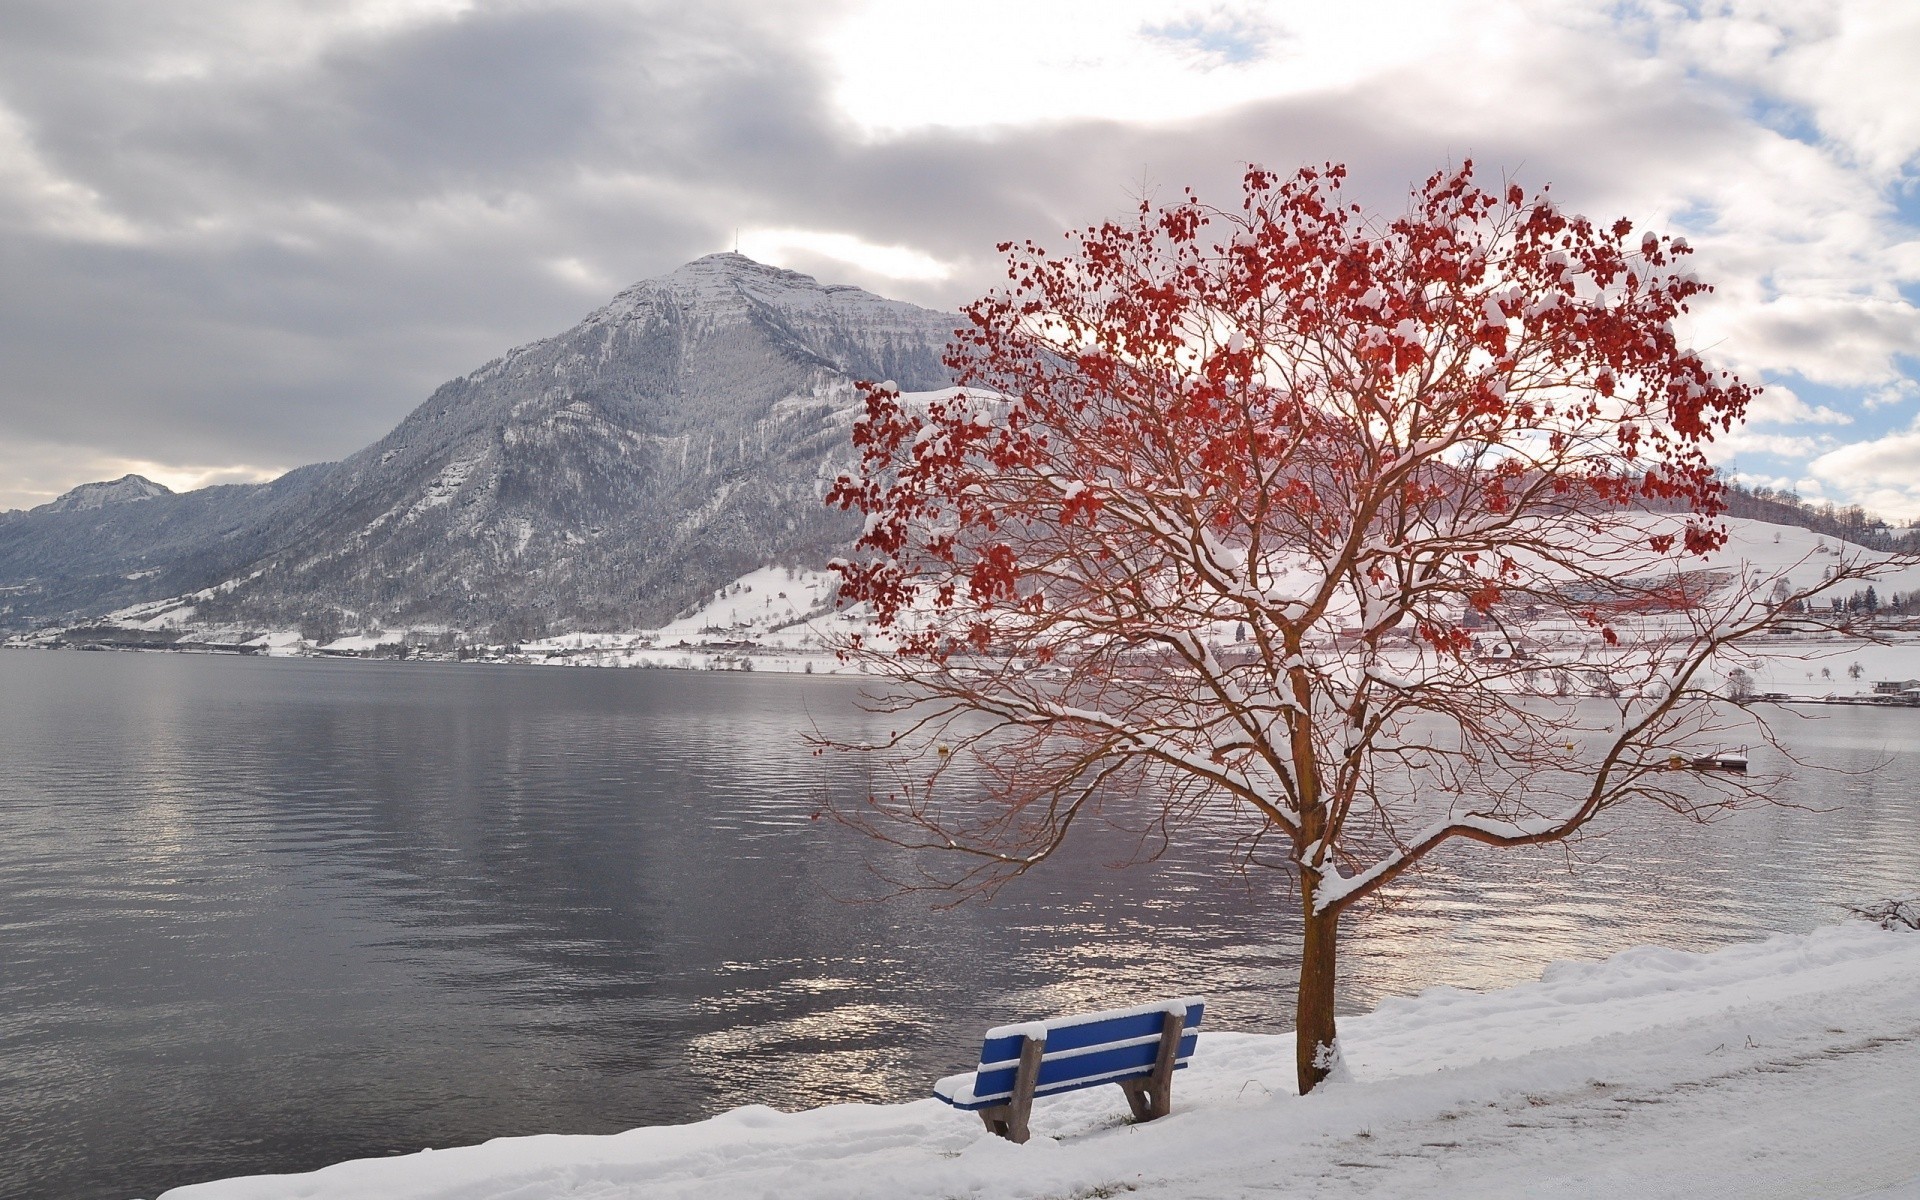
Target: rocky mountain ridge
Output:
[(128, 489), (609, 476)]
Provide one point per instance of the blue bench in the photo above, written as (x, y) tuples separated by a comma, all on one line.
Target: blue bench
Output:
[(1138, 1048)]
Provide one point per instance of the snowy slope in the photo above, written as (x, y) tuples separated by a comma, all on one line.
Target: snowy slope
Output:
[(1779, 1069), (773, 619), (758, 605), (1789, 552)]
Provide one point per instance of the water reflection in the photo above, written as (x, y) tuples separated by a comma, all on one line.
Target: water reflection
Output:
[(265, 915)]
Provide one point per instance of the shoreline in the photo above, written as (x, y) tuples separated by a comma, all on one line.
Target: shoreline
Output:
[(1757, 1070), (690, 658), (632, 651)]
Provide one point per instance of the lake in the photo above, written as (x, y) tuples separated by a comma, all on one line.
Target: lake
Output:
[(263, 915)]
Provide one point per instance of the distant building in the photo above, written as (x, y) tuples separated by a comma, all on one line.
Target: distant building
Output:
[(1895, 687)]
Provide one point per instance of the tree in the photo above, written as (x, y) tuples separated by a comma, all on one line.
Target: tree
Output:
[(1347, 435), (1739, 684)]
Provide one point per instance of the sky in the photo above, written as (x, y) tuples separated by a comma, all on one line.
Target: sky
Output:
[(237, 236)]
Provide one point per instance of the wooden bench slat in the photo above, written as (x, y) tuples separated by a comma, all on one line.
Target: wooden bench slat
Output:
[(1075, 1051), (1072, 1037), (1080, 1070)]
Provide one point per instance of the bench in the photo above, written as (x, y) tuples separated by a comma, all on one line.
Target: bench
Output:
[(1138, 1048)]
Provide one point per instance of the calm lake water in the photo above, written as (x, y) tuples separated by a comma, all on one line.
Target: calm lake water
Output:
[(262, 915)]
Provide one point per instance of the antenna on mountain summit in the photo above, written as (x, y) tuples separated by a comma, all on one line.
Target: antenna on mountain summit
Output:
[(736, 239)]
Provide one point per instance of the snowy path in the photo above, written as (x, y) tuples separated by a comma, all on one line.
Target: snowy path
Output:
[(1798, 1115), (1789, 1068)]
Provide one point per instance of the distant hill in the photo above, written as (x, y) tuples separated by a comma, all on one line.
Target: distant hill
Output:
[(1850, 523), (125, 490), (68, 565)]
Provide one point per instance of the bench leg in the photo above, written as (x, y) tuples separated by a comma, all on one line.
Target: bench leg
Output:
[(997, 1122), (1009, 1120), (1152, 1096)]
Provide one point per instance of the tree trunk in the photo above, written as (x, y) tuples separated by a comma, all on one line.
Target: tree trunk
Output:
[(1314, 1037)]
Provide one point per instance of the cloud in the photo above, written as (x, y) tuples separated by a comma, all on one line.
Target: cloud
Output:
[(1884, 473), (36, 197), (1779, 405), (1796, 211), (893, 262), (1727, 448), (32, 473), (1899, 391), (1848, 65), (216, 260), (1891, 459), (1220, 37), (258, 231)]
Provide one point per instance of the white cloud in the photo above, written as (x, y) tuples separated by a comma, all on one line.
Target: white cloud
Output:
[(1898, 505), (573, 270), (1891, 459), (1839, 340), (187, 477), (1806, 255), (1743, 440), (1882, 475), (778, 246), (1779, 483), (912, 64), (206, 206), (1779, 405), (1900, 391), (1802, 239), (1795, 213), (1849, 64)]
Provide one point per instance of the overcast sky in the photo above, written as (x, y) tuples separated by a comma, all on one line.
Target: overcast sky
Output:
[(237, 236)]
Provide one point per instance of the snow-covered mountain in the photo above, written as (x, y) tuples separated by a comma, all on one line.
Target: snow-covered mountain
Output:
[(614, 475), (635, 470), (125, 490)]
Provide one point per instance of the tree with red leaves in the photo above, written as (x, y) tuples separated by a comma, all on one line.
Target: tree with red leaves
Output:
[(1364, 536)]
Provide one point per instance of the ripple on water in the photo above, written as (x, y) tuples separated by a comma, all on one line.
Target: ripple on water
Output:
[(263, 915)]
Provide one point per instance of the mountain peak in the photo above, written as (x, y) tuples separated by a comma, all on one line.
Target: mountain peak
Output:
[(127, 489), (728, 258), (728, 286), (731, 271)]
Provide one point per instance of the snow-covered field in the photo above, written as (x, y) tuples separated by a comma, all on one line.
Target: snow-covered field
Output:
[(785, 619), (772, 619), (1785, 1068)]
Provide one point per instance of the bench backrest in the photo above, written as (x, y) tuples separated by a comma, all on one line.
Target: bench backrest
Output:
[(1086, 1050)]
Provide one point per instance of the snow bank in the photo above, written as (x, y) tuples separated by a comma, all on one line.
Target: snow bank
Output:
[(1762, 1070)]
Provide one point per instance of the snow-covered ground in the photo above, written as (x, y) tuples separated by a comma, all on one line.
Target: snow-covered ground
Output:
[(1785, 1068), (785, 619), (1800, 556), (789, 617), (771, 619)]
